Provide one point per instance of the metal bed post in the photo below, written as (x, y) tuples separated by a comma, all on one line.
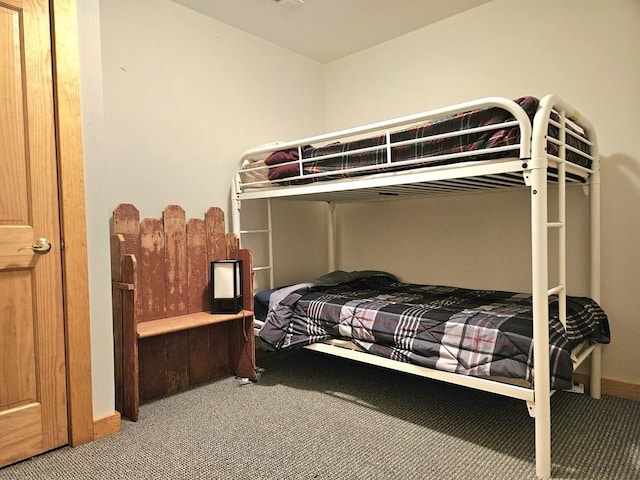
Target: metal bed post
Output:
[(540, 281), (562, 223), (568, 112), (594, 192), (541, 406), (270, 240), (235, 207), (332, 238)]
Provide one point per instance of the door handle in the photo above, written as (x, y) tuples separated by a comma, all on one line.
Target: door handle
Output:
[(41, 246)]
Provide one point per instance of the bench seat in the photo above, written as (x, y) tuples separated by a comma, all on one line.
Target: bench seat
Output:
[(165, 337)]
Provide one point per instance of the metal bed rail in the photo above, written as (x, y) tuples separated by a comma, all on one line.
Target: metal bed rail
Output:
[(270, 189)]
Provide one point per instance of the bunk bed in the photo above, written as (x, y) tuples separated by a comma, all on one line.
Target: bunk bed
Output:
[(490, 143)]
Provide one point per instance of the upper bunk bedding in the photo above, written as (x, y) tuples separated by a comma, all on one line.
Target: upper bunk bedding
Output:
[(475, 135), (471, 332)]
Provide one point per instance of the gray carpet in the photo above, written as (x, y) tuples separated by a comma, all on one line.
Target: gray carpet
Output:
[(317, 417)]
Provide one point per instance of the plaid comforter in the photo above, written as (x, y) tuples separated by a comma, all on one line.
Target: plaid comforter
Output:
[(472, 332), (346, 156)]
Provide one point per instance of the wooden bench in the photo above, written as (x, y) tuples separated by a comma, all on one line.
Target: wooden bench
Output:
[(165, 338)]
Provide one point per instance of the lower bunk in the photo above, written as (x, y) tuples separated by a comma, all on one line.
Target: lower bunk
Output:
[(481, 339)]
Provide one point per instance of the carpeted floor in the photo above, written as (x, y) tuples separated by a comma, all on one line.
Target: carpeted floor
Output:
[(317, 417)]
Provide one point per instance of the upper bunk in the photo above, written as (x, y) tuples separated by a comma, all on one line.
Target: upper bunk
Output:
[(489, 143)]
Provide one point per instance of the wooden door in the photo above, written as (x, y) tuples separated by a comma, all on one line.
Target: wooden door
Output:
[(33, 394)]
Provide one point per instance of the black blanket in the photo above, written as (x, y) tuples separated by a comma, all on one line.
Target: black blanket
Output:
[(472, 332)]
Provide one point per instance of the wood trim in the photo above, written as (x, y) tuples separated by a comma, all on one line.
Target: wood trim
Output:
[(614, 388), (108, 425), (64, 20)]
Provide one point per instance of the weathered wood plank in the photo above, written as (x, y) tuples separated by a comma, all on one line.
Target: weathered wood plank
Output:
[(219, 349), (197, 267), (117, 316), (247, 277), (151, 265), (177, 370), (162, 326), (176, 287), (126, 222), (117, 256), (200, 369), (130, 363), (242, 352), (216, 240), (233, 245), (152, 352), (241, 348)]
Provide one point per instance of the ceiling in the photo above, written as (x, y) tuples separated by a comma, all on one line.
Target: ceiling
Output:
[(326, 30)]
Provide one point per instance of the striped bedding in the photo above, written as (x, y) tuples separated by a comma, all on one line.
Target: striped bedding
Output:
[(471, 332), (370, 154)]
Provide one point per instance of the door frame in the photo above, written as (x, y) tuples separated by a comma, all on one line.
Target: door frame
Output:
[(73, 226)]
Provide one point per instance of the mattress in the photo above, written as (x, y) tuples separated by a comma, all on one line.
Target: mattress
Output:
[(426, 145), (472, 332)]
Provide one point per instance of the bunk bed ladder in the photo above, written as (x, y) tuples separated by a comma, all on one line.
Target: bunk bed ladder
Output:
[(536, 178), (560, 224), (540, 407), (267, 234), (564, 114)]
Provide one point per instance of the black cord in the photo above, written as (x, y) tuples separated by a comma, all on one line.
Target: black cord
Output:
[(244, 327)]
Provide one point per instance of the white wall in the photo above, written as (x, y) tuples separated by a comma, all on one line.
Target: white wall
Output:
[(170, 100), (477, 240), (185, 95), (299, 240), (97, 203), (586, 51)]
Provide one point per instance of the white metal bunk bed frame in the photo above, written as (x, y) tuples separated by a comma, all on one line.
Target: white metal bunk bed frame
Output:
[(532, 164)]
